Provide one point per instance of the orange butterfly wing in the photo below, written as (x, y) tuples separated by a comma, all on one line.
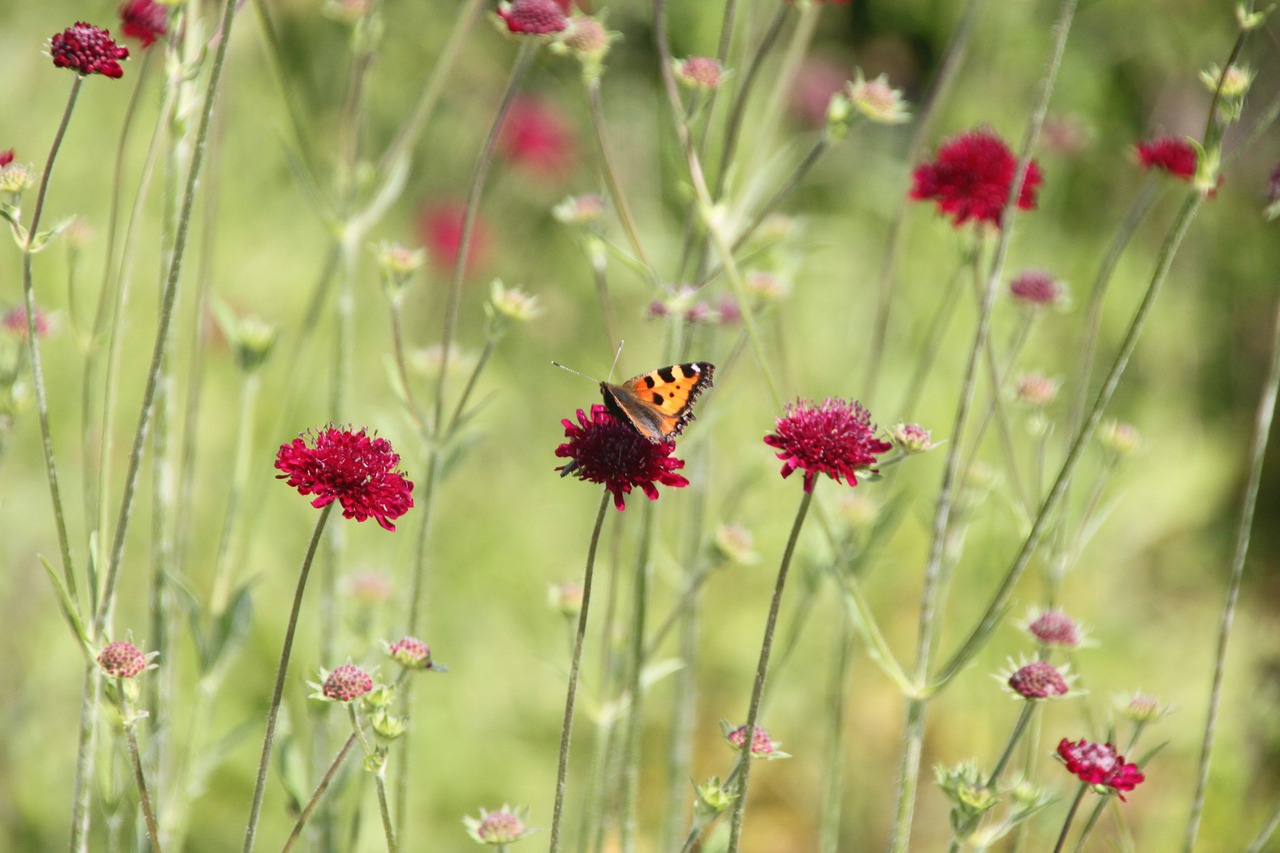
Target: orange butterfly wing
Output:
[(659, 404)]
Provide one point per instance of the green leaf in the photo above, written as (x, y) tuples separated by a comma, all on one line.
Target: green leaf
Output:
[(230, 627), (70, 610)]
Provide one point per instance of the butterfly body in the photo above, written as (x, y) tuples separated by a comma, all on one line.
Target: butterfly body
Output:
[(659, 404)]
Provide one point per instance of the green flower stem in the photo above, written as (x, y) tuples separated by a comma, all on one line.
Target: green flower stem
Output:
[(464, 20), (1066, 825), (1264, 834), (934, 580), (228, 543), (402, 369), (86, 743), (783, 83), (932, 344), (575, 665), (1052, 501), (611, 180), (140, 779), (860, 613), (635, 705), (524, 59), (318, 794), (688, 598), (762, 669), (107, 603), (379, 782), (948, 72), (1248, 506), (1028, 708), (269, 740), (829, 821), (33, 346), (451, 431)]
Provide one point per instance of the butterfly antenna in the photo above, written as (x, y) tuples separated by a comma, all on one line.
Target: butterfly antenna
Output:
[(617, 355), (575, 372)]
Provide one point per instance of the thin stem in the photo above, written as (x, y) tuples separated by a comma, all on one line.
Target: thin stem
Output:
[(1248, 505), (575, 665), (829, 822), (1264, 834), (86, 741), (33, 347), (1028, 708), (762, 669), (611, 179), (524, 58), (1071, 814), (631, 738), (947, 74), (379, 783), (269, 740), (319, 792), (106, 604), (141, 780)]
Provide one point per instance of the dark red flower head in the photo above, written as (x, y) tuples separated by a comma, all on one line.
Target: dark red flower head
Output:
[(440, 227), (604, 449), (144, 20), (6, 157), (1173, 156), (970, 178), (1038, 680), (88, 50), (1100, 764), (347, 683), (353, 468), (836, 439), (535, 17), (536, 137)]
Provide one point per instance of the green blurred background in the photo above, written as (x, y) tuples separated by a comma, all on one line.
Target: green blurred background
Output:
[(1150, 584)]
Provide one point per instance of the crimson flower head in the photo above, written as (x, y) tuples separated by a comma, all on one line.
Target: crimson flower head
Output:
[(836, 439), (346, 683), (1100, 765), (970, 178), (1172, 156), (122, 659), (144, 20), (6, 157), (88, 50), (440, 226), (535, 17), (536, 138), (353, 468), (604, 449)]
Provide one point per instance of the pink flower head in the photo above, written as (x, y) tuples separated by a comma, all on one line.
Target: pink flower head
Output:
[(536, 137), (122, 659), (816, 81), (144, 20), (440, 227), (88, 50), (836, 439), (1167, 154), (411, 653), (346, 683), (535, 17), (15, 321), (762, 746), (699, 72), (1038, 680), (604, 449), (1037, 288), (6, 157), (971, 176), (1100, 765), (353, 468), (1055, 628)]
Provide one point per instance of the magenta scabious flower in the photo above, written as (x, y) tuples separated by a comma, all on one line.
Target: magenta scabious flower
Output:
[(535, 17), (88, 50), (1100, 764), (836, 439), (122, 659), (1038, 680), (411, 653), (498, 828), (536, 137), (605, 450), (353, 468), (1055, 628), (144, 20), (1167, 154), (1037, 288), (970, 178), (346, 683)]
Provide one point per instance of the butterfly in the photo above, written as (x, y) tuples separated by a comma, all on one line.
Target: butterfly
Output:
[(659, 404)]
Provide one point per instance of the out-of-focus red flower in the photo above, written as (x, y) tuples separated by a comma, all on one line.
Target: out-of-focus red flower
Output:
[(144, 20), (1167, 154), (816, 81), (970, 178), (536, 138), (440, 228)]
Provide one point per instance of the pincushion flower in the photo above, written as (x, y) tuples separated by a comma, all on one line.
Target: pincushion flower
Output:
[(762, 746), (1100, 765), (502, 827), (353, 468), (123, 659), (836, 439), (1036, 288), (1036, 680), (536, 137), (970, 178), (88, 50), (345, 684), (1167, 154), (1055, 628), (535, 17), (605, 450), (145, 20)]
